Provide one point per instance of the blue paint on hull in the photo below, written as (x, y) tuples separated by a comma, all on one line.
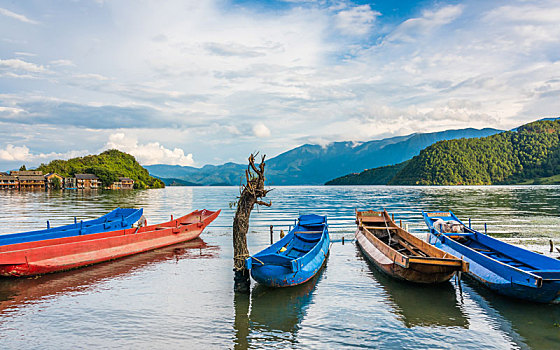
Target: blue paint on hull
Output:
[(296, 258), (506, 269), (117, 219)]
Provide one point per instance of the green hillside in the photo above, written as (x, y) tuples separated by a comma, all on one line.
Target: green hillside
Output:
[(108, 166), (169, 181), (315, 164), (529, 155), (375, 176)]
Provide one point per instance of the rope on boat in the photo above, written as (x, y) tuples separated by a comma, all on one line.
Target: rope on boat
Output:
[(258, 260)]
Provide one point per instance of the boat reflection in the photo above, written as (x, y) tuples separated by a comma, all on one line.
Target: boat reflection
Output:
[(15, 292), (430, 305), (529, 325), (272, 315)]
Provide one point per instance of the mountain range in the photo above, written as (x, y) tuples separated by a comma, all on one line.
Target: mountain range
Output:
[(315, 164), (529, 154)]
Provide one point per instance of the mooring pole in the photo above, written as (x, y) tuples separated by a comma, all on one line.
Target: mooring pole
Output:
[(551, 245), (271, 234), (485, 229), (342, 240), (469, 222)]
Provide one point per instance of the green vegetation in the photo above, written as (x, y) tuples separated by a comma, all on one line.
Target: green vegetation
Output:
[(177, 182), (551, 180), (375, 176), (108, 166), (530, 155), (56, 184)]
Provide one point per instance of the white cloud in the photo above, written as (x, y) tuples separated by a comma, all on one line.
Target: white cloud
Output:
[(91, 76), (357, 20), (66, 63), (12, 153), (329, 70), (20, 65), (27, 54), (11, 112), (16, 16), (412, 28), (260, 130), (150, 153)]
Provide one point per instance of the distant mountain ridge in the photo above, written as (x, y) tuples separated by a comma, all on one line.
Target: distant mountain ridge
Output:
[(528, 155), (315, 164)]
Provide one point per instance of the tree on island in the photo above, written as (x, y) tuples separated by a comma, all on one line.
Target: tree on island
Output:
[(22, 168), (251, 194), (56, 184)]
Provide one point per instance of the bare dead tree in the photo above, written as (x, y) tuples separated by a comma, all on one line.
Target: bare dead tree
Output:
[(250, 194)]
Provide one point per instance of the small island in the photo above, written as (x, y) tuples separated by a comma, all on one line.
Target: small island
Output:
[(111, 170)]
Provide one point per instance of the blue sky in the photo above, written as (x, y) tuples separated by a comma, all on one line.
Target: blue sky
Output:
[(199, 82)]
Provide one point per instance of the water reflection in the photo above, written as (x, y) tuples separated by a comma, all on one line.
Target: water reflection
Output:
[(420, 305), (529, 325), (271, 317), (14, 292)]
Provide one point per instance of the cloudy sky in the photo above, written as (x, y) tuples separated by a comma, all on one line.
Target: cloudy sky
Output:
[(206, 82)]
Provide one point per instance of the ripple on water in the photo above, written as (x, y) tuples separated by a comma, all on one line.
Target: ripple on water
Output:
[(181, 297)]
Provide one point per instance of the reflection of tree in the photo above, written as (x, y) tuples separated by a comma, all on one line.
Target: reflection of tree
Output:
[(241, 303), (14, 292), (275, 313)]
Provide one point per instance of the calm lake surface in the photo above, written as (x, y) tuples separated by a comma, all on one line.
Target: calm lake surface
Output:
[(182, 296)]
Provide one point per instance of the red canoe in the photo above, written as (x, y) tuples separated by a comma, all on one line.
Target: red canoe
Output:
[(53, 255)]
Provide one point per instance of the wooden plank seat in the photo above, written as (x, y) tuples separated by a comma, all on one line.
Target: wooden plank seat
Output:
[(381, 227), (308, 232)]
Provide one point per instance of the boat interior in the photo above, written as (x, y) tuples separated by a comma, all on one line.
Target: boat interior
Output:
[(466, 237), (388, 233), (304, 239)]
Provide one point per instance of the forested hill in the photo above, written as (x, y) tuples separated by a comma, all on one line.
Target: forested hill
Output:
[(531, 154), (108, 166), (315, 164)]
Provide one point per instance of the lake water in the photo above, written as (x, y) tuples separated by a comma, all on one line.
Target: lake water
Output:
[(182, 296)]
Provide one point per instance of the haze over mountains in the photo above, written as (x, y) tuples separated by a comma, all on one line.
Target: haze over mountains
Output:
[(315, 164)]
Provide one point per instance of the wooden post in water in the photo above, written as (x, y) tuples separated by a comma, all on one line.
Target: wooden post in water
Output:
[(251, 194)]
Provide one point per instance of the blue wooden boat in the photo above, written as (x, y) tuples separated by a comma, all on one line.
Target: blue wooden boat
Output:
[(502, 267), (115, 220), (296, 258)]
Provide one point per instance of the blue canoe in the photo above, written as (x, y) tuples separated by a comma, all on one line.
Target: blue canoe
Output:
[(502, 267), (117, 219), (296, 258)]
